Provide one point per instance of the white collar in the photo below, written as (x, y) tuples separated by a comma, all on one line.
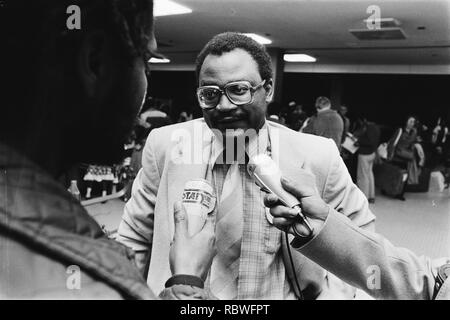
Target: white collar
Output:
[(256, 145)]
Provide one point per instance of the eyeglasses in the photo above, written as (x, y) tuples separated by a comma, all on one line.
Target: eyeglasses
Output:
[(238, 92)]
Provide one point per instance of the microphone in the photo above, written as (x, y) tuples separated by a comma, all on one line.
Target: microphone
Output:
[(199, 201), (266, 174)]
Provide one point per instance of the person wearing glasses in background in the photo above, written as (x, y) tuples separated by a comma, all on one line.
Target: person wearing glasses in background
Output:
[(253, 258)]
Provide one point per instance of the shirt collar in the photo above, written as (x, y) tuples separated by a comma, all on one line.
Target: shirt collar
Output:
[(256, 145)]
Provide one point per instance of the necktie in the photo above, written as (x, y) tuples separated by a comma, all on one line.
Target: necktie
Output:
[(229, 225)]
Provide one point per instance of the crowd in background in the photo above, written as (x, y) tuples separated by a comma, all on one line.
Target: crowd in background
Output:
[(104, 180), (396, 160)]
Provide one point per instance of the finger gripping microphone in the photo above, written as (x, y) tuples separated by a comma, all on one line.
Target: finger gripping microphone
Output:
[(267, 175)]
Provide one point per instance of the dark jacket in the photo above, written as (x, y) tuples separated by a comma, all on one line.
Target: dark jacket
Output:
[(50, 248), (328, 124), (368, 138)]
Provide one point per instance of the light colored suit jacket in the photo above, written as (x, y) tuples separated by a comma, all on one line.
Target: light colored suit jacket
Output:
[(176, 154), (370, 262)]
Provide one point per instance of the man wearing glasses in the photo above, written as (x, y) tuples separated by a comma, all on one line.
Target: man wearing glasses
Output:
[(253, 259)]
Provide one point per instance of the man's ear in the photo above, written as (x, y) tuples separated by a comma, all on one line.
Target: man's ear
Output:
[(269, 90), (90, 61)]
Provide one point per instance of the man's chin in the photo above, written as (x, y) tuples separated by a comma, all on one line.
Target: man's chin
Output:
[(234, 128), (231, 133)]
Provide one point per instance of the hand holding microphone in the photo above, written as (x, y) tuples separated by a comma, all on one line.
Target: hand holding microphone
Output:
[(295, 206), (191, 254), (312, 206)]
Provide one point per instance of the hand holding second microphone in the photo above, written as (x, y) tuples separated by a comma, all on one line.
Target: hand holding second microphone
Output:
[(312, 205), (288, 200)]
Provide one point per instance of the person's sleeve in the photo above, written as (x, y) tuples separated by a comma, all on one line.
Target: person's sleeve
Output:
[(363, 137), (371, 263), (136, 228), (373, 137), (343, 195)]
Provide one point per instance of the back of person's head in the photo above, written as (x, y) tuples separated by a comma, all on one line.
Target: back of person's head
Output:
[(229, 41), (323, 103), (57, 63), (361, 119)]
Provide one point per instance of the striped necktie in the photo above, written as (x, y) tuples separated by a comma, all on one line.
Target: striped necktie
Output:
[(229, 226)]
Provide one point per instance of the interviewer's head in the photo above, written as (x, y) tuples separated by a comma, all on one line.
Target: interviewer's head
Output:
[(84, 86)]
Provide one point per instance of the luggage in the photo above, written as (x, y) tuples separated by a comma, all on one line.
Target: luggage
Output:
[(389, 178), (437, 182), (424, 182)]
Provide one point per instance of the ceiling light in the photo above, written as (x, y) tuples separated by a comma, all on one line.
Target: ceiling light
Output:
[(158, 60), (298, 57), (167, 8), (258, 38)]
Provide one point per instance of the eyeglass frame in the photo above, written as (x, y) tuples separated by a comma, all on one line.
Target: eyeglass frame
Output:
[(223, 91)]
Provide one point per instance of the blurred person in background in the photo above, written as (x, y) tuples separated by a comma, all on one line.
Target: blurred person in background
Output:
[(274, 112), (343, 110), (439, 137), (152, 117), (440, 149), (184, 116), (297, 116), (403, 162), (326, 123), (368, 135), (404, 150)]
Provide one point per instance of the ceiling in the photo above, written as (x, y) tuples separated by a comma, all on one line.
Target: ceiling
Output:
[(316, 27)]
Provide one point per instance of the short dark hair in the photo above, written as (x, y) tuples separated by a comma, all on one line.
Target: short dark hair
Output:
[(35, 39), (227, 42), (128, 20), (410, 116)]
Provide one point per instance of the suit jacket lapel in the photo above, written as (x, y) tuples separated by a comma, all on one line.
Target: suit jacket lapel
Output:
[(180, 165), (188, 162), (289, 160), (283, 153)]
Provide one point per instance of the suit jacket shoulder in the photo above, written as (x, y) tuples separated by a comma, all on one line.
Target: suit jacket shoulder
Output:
[(317, 154)]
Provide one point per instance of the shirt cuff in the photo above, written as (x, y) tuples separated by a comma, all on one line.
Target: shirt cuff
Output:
[(299, 242)]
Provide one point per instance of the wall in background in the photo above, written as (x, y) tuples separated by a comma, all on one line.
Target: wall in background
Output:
[(385, 98)]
